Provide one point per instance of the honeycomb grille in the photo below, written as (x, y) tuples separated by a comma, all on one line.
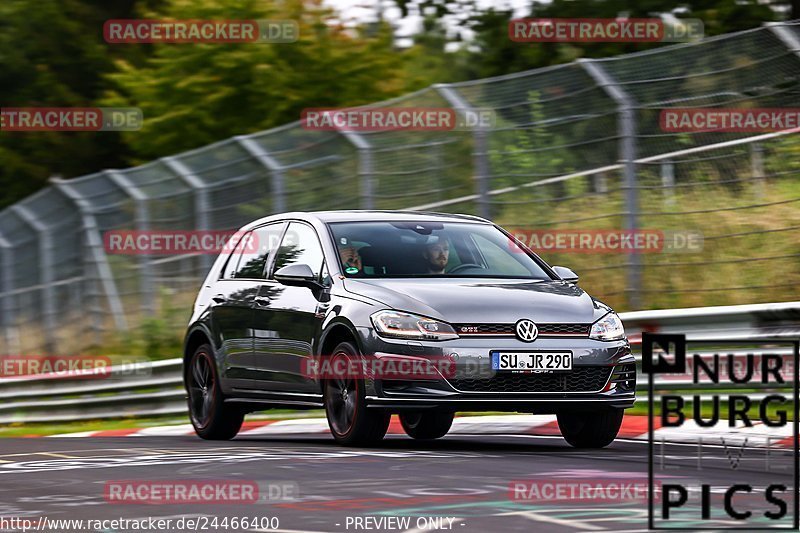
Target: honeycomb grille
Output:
[(508, 329), (580, 379), (564, 329)]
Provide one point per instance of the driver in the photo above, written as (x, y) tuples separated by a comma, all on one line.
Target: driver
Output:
[(351, 259), (436, 255)]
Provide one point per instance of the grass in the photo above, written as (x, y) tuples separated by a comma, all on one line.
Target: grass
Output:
[(741, 261)]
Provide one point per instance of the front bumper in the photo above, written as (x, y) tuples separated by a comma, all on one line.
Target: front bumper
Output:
[(604, 375)]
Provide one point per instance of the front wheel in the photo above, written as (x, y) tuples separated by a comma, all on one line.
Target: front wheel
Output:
[(593, 429), (211, 417), (426, 425), (351, 423)]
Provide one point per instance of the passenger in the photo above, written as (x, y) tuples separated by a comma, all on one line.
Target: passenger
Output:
[(436, 255)]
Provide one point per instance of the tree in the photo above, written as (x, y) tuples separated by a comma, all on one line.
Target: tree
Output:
[(52, 54), (194, 94), (492, 53)]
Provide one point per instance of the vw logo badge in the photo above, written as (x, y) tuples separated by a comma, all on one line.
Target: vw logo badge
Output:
[(526, 330)]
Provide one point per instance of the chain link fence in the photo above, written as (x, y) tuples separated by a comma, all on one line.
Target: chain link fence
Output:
[(574, 146)]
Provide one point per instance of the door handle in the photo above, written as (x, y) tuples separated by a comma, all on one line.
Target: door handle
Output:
[(261, 301), (219, 298)]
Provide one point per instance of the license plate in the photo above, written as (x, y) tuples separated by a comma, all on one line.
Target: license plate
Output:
[(531, 361)]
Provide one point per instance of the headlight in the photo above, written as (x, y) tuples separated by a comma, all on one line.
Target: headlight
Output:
[(408, 326), (608, 328)]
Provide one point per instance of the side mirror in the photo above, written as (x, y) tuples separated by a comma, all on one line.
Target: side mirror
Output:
[(299, 275), (566, 274)]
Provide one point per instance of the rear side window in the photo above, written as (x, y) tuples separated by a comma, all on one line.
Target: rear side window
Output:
[(300, 246), (250, 258)]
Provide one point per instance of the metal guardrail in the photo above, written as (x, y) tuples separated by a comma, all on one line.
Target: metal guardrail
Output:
[(156, 388), (148, 388)]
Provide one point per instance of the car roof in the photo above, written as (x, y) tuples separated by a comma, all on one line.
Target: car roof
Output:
[(370, 216)]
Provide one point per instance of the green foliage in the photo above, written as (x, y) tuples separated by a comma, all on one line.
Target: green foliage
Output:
[(493, 53), (741, 248), (196, 94), (159, 336), (52, 55)]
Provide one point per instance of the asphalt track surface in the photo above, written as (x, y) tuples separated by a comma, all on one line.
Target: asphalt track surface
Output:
[(463, 478)]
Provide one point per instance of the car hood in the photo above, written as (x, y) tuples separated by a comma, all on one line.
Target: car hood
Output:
[(483, 301)]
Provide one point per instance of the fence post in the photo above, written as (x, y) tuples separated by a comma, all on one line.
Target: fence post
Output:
[(626, 107), (201, 205), (786, 36), (757, 166), (480, 152), (278, 185), (96, 254), (437, 160), (366, 168), (45, 242), (7, 290), (142, 224), (668, 180)]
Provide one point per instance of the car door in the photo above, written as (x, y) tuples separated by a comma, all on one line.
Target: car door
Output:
[(288, 318), (232, 316)]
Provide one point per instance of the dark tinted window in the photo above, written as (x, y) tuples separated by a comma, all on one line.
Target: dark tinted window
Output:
[(300, 246), (254, 253), (422, 249)]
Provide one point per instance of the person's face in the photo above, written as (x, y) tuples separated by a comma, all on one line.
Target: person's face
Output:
[(438, 254), (350, 257)]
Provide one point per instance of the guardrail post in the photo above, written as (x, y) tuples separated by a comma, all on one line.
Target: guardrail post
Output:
[(201, 205), (96, 255), (600, 183), (365, 168), (480, 152), (45, 243), (7, 290), (275, 169), (142, 224), (626, 107)]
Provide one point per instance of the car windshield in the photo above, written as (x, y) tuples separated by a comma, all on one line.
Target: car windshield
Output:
[(431, 249)]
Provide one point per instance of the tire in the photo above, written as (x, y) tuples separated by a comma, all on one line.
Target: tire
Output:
[(349, 420), (211, 417), (593, 429), (426, 425)]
